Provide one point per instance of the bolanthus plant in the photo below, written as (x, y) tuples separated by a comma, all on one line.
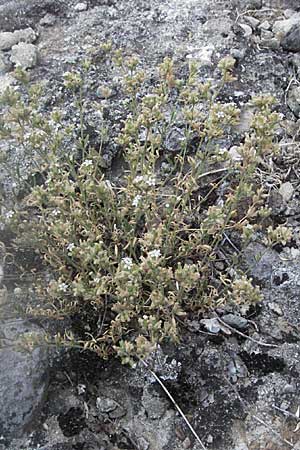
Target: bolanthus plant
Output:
[(133, 258)]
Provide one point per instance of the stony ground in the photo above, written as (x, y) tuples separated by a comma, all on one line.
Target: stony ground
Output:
[(239, 393)]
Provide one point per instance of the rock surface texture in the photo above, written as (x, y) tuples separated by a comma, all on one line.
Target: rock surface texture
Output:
[(239, 393)]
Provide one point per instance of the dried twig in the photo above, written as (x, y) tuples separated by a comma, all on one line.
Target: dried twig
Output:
[(175, 404), (262, 344)]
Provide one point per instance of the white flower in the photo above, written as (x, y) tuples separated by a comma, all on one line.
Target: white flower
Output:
[(9, 214), (63, 287), (150, 181), (138, 179), (70, 247), (136, 200), (87, 163), (127, 262), (154, 254), (56, 212)]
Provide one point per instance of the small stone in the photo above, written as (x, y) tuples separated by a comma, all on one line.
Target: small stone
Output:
[(3, 67), (186, 443), (282, 27), (291, 41), (117, 413), (24, 55), (247, 29), (265, 25), (252, 21), (8, 39), (203, 56), (275, 308), (210, 439), (48, 20), (293, 100), (6, 81), (253, 4), (238, 53), (286, 191), (235, 321), (234, 154), (289, 389), (82, 6), (106, 405)]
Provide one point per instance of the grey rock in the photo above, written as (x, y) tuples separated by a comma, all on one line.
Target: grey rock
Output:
[(293, 100), (235, 321), (246, 29), (265, 25), (260, 261), (23, 381), (24, 55), (8, 39), (175, 140), (82, 6), (3, 67), (253, 4), (291, 41), (106, 405), (283, 27), (5, 81), (154, 405), (202, 55), (48, 20), (286, 191), (252, 21)]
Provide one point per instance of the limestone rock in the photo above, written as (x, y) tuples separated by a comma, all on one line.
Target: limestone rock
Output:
[(291, 41), (24, 55), (9, 39), (23, 381)]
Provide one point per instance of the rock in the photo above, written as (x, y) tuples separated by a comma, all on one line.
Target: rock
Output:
[(265, 25), (154, 405), (253, 4), (283, 27), (5, 81), (8, 39), (260, 261), (291, 41), (82, 6), (235, 321), (293, 100), (286, 190), (48, 20), (203, 56), (106, 405), (3, 67), (252, 21), (23, 381), (275, 308), (247, 29), (175, 139), (24, 55)]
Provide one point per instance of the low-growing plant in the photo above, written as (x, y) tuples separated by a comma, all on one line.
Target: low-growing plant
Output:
[(132, 258)]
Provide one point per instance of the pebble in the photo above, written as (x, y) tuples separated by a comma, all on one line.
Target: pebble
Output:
[(284, 26), (235, 321), (8, 39), (24, 55), (82, 6), (265, 25), (293, 100), (254, 4), (247, 29), (286, 191), (203, 56), (275, 308), (48, 20), (291, 41), (252, 21)]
